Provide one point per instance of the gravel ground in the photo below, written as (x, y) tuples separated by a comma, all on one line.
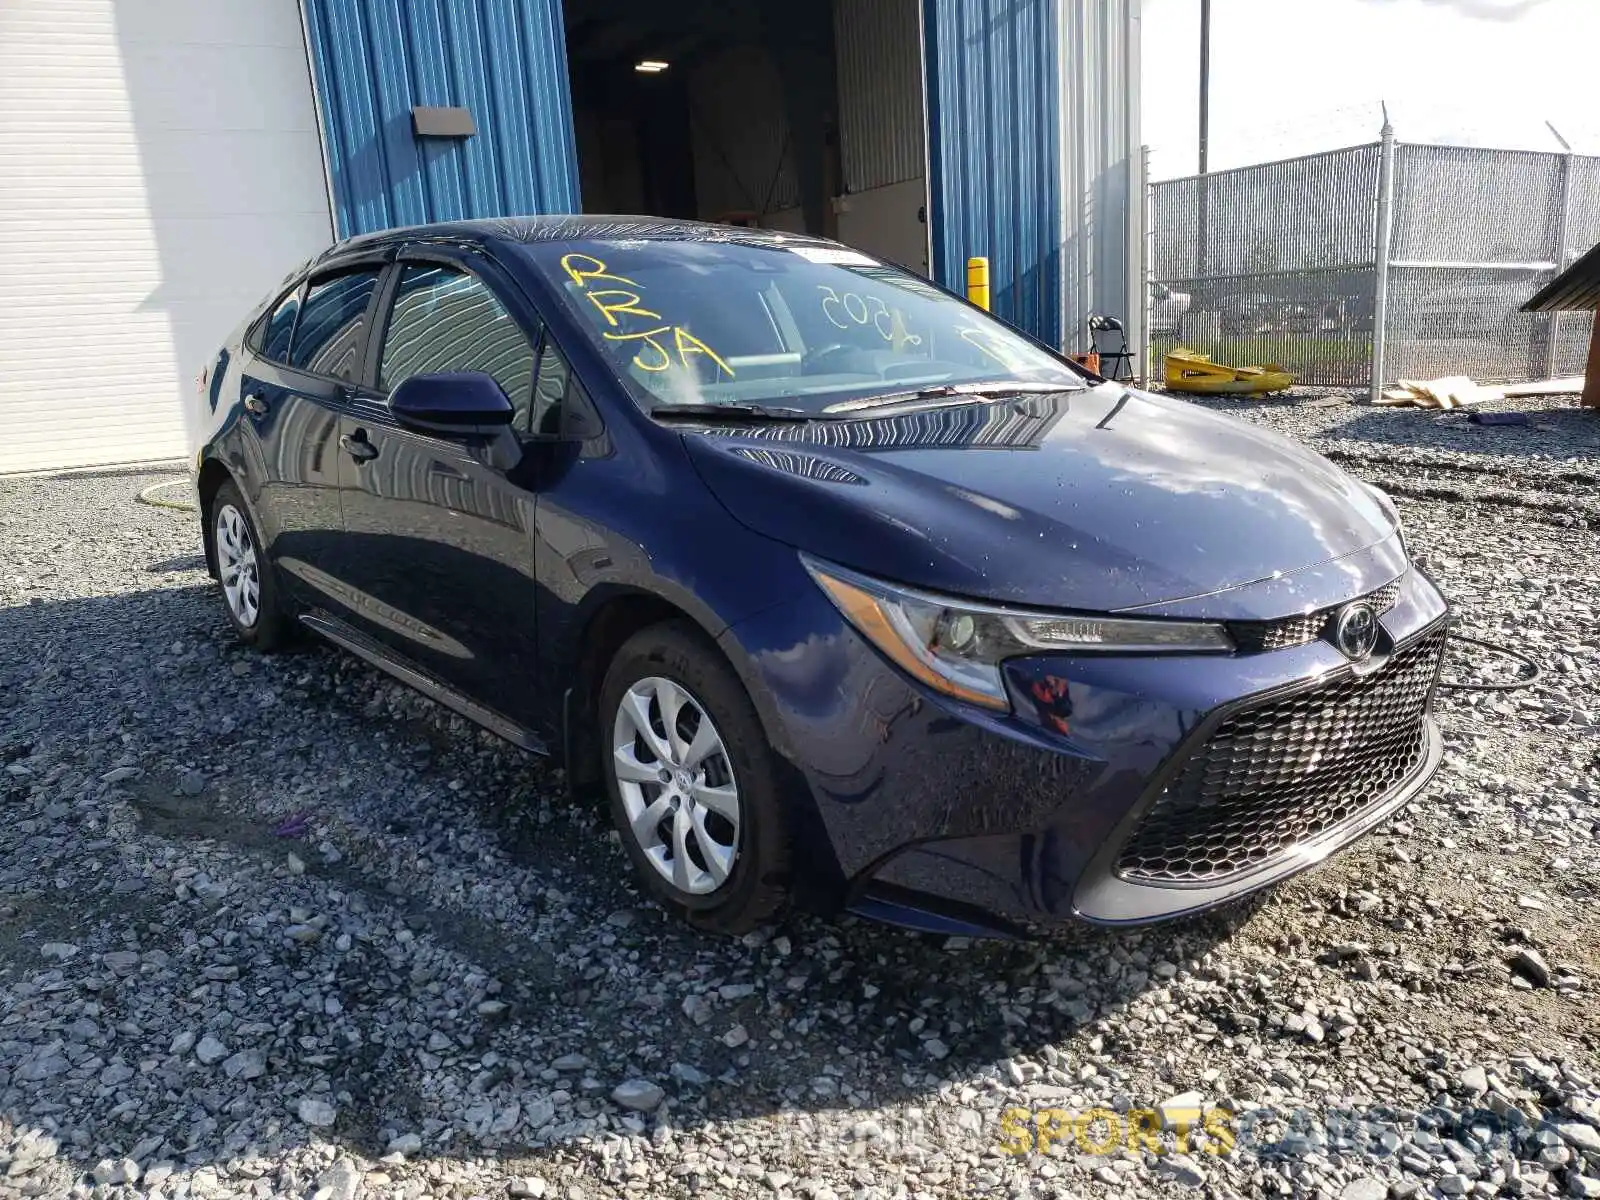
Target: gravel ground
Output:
[(278, 927)]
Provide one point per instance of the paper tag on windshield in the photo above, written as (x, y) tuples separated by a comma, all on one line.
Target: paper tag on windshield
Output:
[(833, 256)]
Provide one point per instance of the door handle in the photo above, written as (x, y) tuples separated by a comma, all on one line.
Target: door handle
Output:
[(357, 447), (255, 405)]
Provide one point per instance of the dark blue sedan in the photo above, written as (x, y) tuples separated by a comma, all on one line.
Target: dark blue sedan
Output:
[(841, 590)]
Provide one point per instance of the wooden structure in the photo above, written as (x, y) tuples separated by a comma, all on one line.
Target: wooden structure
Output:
[(1577, 289)]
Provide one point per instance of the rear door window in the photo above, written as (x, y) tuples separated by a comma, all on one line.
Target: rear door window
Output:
[(447, 320), (328, 338)]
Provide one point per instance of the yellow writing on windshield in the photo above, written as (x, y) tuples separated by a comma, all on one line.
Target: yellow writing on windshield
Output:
[(629, 303), (572, 264), (659, 348), (663, 357), (688, 344), (844, 309), (683, 342), (995, 345)]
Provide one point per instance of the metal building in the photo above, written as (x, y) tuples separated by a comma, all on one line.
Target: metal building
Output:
[(248, 132)]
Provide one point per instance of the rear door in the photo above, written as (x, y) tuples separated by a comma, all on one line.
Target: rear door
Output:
[(305, 357), (437, 529)]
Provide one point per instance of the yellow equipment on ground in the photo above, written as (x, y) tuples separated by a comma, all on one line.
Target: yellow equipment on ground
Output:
[(1189, 371)]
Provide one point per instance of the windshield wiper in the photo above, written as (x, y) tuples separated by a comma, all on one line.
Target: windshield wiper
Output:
[(743, 412), (991, 389)]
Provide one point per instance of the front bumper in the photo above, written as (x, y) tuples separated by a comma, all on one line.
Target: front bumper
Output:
[(1020, 820)]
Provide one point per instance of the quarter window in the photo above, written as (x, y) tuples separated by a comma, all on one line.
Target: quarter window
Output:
[(275, 336), (447, 320), (328, 338), (550, 392)]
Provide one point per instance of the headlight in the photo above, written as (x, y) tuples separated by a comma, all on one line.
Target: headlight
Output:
[(956, 646), (1386, 502)]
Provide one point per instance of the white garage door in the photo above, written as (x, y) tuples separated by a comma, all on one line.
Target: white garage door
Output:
[(160, 170)]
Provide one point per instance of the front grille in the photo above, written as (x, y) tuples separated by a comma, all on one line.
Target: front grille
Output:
[(1255, 636), (1272, 777)]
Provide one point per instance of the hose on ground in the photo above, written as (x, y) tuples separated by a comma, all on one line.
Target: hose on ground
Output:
[(1496, 685), (148, 496)]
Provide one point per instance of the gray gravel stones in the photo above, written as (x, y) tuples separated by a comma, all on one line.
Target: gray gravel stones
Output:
[(1472, 1082), (1531, 966), (405, 1143), (428, 971), (640, 1095), (209, 1050), (342, 1181), (316, 1113), (1181, 1169), (1580, 1135), (245, 1065), (116, 1171)]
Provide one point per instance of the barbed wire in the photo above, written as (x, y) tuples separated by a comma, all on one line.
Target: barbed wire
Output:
[(1354, 124)]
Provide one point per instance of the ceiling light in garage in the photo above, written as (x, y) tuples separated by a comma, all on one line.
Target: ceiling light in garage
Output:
[(651, 66)]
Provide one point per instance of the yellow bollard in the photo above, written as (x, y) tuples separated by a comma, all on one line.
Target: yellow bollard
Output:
[(978, 282)]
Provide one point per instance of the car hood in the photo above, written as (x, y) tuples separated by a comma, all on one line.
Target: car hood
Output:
[(1098, 500)]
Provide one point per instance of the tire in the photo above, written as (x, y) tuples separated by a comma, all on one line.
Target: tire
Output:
[(735, 872), (245, 576)]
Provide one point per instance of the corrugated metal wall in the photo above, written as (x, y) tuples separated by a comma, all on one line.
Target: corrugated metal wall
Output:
[(504, 60), (879, 50), (1102, 195), (1033, 146), (1032, 116), (994, 152), (743, 157)]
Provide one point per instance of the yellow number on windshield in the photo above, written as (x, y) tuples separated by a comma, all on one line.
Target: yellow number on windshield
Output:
[(851, 308)]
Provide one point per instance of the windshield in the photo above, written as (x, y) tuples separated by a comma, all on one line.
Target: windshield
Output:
[(807, 326)]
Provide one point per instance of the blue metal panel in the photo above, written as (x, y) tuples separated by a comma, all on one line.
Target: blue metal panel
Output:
[(503, 60), (994, 152)]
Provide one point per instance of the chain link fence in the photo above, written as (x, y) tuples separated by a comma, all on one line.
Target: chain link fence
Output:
[(1269, 264), (1279, 263)]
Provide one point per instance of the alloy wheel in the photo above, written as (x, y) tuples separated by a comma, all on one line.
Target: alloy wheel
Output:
[(237, 565), (677, 786)]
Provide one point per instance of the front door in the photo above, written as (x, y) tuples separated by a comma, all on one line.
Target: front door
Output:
[(438, 548)]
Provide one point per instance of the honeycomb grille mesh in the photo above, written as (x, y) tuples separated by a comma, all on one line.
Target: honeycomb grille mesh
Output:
[(1275, 776), (1255, 636)]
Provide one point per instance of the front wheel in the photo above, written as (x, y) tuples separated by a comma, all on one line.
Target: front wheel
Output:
[(691, 779), (249, 586)]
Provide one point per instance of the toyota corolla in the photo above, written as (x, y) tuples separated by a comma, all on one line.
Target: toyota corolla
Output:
[(839, 590)]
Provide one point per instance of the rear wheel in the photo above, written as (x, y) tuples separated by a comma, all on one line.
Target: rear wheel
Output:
[(691, 780), (249, 587)]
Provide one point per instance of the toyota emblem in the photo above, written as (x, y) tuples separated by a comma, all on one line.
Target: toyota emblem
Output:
[(1356, 631)]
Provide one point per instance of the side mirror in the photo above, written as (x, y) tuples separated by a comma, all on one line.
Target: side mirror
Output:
[(452, 403)]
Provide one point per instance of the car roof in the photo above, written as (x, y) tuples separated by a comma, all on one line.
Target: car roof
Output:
[(565, 228)]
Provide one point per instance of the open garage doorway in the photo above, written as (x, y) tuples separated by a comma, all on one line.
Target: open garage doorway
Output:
[(806, 116)]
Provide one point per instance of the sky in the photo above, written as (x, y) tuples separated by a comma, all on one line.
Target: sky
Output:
[(1293, 77)]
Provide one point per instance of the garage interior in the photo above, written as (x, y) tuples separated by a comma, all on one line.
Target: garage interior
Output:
[(806, 117)]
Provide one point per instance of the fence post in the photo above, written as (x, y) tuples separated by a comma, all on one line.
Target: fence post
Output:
[(1560, 256), (1147, 258), (1381, 256)]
